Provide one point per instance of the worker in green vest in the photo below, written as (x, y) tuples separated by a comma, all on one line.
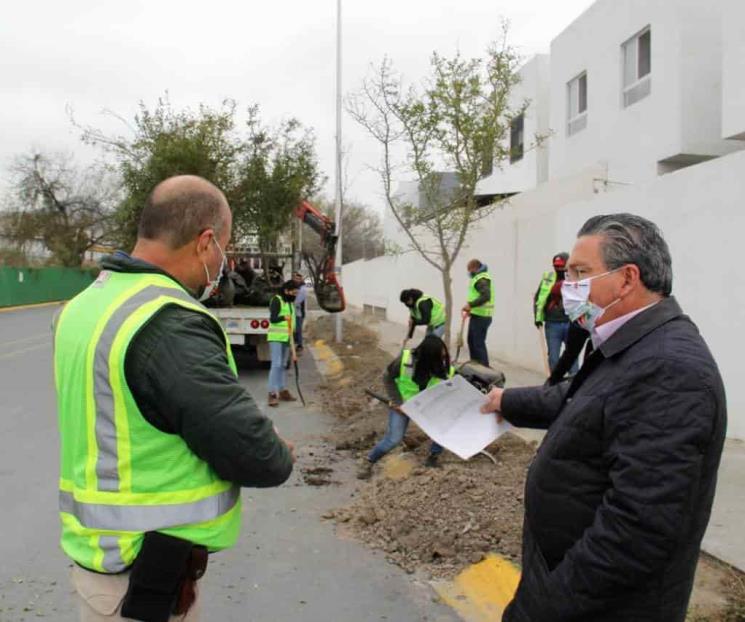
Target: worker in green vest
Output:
[(412, 372), (480, 309), (424, 311), (281, 328), (157, 435), (549, 312)]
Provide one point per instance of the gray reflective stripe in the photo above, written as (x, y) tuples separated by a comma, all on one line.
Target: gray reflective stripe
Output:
[(112, 556), (107, 469), (148, 517)]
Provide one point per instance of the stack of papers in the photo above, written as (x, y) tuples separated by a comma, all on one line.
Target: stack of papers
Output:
[(449, 413)]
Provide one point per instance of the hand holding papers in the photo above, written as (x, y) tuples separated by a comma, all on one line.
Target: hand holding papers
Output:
[(450, 414)]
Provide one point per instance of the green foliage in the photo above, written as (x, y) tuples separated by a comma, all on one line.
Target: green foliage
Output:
[(167, 142), (263, 171), (457, 120), (277, 168)]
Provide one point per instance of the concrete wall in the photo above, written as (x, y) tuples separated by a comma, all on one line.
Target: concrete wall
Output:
[(733, 79), (696, 208)]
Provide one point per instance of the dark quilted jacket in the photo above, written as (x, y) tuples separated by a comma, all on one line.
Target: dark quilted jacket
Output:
[(620, 492)]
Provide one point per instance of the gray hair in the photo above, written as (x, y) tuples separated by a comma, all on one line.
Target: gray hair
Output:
[(630, 239)]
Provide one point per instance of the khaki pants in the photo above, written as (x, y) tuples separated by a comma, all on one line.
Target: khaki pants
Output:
[(100, 596)]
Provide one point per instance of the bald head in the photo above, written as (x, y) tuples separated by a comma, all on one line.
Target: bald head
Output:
[(180, 208)]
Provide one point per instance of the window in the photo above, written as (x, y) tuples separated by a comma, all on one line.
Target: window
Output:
[(517, 140), (637, 67), (577, 104)]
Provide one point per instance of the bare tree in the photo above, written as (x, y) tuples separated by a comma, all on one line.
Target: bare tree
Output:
[(66, 209), (457, 120)]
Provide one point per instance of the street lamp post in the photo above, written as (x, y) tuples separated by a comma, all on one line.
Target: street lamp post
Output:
[(339, 331)]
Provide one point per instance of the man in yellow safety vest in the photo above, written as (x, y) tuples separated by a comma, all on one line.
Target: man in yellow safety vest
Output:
[(480, 308), (157, 435)]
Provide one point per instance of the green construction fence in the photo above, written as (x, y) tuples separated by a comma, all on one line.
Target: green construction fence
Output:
[(25, 286)]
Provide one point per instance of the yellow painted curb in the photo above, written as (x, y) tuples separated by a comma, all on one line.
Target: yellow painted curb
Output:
[(39, 305), (332, 366), (482, 591)]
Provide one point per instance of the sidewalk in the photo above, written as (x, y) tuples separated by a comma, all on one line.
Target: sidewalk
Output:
[(724, 536)]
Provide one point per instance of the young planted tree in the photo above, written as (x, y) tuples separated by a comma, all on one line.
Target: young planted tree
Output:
[(60, 207), (278, 169), (456, 120)]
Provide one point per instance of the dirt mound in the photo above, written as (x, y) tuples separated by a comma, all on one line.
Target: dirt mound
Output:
[(436, 519), (445, 518), (360, 419)]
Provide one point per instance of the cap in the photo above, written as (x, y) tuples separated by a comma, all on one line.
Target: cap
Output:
[(560, 260)]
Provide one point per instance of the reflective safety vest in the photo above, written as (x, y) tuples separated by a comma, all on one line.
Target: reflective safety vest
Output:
[(278, 331), (487, 309), (438, 311), (547, 283), (120, 476), (405, 381)]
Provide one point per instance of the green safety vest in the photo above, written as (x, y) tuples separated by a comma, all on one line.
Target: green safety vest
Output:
[(438, 311), (405, 381), (278, 331), (120, 476), (487, 309), (547, 283)]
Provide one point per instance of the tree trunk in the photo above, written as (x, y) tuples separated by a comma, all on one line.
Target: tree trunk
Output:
[(447, 286)]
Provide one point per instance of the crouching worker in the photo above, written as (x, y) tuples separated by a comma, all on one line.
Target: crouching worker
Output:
[(412, 372), (281, 326)]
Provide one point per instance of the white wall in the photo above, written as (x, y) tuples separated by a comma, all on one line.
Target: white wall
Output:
[(532, 169), (733, 88), (696, 208), (681, 116)]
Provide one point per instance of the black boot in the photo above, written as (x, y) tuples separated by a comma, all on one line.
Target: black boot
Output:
[(432, 462)]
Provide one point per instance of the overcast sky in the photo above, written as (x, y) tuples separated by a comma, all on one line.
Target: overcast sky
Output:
[(93, 55)]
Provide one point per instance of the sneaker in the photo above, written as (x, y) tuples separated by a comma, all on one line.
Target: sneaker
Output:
[(286, 396), (432, 461), (364, 470), (273, 400)]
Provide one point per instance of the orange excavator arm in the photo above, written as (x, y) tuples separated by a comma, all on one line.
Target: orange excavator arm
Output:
[(329, 291)]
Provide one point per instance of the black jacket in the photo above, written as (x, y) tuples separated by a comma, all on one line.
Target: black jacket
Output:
[(620, 491), (178, 372)]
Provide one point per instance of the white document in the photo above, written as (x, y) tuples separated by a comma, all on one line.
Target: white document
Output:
[(449, 413)]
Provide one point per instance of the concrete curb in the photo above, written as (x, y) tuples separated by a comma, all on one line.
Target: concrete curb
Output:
[(38, 305), (328, 363), (481, 592)]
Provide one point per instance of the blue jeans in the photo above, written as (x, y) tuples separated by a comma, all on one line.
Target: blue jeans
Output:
[(477, 329), (299, 319), (397, 424), (438, 331), (279, 351), (557, 334)]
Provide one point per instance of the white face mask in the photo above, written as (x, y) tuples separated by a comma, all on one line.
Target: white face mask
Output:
[(577, 304), (212, 284)]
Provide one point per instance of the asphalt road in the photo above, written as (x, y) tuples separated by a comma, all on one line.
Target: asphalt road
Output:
[(288, 565)]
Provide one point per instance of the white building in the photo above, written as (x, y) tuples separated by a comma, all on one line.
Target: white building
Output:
[(528, 162), (640, 87), (645, 100), (733, 77)]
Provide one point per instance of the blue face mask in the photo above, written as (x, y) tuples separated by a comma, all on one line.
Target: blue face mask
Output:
[(577, 304)]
